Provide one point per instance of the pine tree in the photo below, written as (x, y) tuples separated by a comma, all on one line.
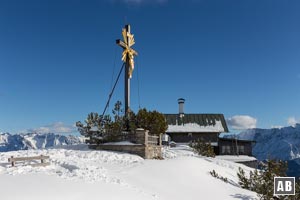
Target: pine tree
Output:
[(262, 182), (94, 128), (117, 111), (153, 121), (203, 148), (244, 182), (108, 130)]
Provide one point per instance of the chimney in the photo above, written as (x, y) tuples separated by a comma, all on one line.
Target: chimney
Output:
[(181, 103)]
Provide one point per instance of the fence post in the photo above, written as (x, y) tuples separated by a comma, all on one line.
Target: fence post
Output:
[(12, 161), (146, 137), (42, 160), (159, 139)]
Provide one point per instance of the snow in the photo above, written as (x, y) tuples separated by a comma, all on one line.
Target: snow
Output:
[(240, 158), (40, 186), (76, 172), (194, 127)]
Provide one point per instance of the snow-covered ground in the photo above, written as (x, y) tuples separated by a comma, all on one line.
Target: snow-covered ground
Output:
[(79, 173)]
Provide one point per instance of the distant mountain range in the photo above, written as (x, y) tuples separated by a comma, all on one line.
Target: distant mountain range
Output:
[(14, 142), (276, 143)]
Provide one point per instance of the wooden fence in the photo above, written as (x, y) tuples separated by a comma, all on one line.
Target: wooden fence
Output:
[(122, 136), (153, 140)]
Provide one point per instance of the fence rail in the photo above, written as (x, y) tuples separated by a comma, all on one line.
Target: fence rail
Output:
[(122, 136), (153, 140)]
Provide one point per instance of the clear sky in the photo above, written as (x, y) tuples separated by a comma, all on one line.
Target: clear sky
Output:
[(236, 57)]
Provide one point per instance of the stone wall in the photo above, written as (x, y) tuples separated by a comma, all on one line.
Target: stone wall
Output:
[(145, 151), (152, 151)]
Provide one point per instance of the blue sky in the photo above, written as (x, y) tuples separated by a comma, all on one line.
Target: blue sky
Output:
[(236, 57)]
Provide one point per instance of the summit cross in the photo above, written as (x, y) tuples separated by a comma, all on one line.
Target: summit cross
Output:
[(127, 57)]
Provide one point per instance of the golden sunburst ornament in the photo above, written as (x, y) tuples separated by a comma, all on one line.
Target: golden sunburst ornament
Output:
[(128, 52)]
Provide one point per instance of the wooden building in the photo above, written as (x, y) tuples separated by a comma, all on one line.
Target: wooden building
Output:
[(184, 128), (232, 146)]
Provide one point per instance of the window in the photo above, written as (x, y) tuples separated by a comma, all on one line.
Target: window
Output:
[(241, 149), (225, 149)]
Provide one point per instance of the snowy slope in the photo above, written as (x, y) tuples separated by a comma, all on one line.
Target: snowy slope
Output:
[(9, 142), (283, 143), (80, 173)]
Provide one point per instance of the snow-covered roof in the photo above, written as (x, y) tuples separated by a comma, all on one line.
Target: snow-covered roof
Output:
[(196, 123), (194, 127), (240, 158)]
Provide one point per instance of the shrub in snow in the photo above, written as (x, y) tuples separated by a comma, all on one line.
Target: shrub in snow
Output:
[(202, 148), (216, 175), (262, 181), (94, 127)]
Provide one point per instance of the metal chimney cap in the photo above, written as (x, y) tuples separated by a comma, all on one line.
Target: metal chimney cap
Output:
[(181, 100)]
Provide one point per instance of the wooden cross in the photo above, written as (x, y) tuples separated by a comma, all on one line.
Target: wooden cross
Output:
[(127, 57)]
